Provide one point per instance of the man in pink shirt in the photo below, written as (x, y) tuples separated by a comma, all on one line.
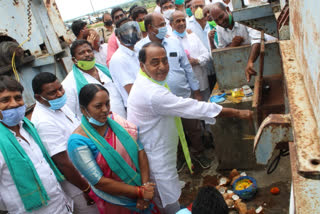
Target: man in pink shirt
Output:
[(117, 13)]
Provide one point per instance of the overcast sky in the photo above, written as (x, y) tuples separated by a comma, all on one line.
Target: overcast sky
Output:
[(73, 8)]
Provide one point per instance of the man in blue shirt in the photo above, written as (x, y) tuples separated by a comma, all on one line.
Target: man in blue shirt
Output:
[(181, 79)]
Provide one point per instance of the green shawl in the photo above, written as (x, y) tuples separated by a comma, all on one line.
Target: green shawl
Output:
[(179, 126), (23, 173), (117, 164), (81, 80)]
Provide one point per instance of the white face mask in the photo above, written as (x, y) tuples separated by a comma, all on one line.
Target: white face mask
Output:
[(167, 14)]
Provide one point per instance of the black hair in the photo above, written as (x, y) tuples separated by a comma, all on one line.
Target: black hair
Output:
[(162, 2), (209, 201), (148, 21), (114, 10), (131, 9), (77, 26), (88, 92), (157, 1), (120, 21), (107, 13), (219, 5), (136, 11), (77, 43), (142, 52), (10, 84), (40, 79), (186, 2)]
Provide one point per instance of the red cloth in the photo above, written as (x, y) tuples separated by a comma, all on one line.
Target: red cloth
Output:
[(112, 47)]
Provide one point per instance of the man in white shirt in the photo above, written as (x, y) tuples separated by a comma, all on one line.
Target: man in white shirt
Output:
[(85, 67), (55, 122), (153, 108), (157, 9), (233, 34), (100, 49), (197, 53), (28, 176), (124, 64), (167, 8), (181, 79), (199, 57), (138, 15), (198, 24)]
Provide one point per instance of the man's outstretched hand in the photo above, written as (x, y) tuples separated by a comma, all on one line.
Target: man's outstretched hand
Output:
[(245, 114), (250, 71)]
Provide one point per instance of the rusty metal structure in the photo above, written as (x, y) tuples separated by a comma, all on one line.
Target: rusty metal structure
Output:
[(299, 127), (48, 46)]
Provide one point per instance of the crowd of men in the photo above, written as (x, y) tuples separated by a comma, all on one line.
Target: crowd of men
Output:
[(157, 68)]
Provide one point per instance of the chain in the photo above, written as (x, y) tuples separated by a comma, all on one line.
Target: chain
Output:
[(29, 19), (13, 63)]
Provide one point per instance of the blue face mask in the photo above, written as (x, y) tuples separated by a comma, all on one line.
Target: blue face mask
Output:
[(94, 121), (161, 82), (57, 103), (12, 117), (162, 32), (179, 34)]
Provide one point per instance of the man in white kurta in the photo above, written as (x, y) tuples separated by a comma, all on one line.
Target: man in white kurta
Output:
[(198, 55), (124, 64), (55, 124), (10, 199), (152, 107), (70, 86), (8, 192)]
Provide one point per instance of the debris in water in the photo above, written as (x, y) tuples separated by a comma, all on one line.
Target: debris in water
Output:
[(243, 174), (275, 190), (259, 210)]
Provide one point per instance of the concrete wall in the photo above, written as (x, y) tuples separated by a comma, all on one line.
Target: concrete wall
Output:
[(305, 33)]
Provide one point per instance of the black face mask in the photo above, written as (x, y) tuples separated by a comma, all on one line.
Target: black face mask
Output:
[(129, 40), (108, 23)]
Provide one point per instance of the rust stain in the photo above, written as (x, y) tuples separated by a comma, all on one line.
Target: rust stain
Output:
[(295, 16), (306, 197), (15, 2), (303, 117)]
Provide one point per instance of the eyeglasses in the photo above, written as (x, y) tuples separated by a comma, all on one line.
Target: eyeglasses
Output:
[(200, 5), (171, 6)]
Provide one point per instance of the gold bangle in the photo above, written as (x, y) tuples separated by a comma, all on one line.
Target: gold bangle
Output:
[(86, 190)]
